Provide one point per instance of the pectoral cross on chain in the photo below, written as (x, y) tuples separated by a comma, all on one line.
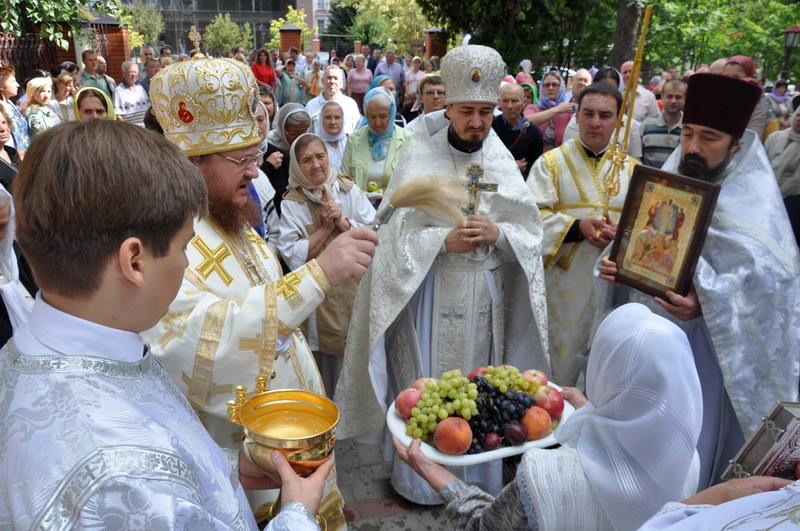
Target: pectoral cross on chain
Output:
[(475, 187)]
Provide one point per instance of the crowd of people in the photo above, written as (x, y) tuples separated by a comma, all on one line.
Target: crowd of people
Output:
[(204, 221)]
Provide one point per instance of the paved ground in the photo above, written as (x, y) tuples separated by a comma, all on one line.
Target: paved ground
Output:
[(370, 502)]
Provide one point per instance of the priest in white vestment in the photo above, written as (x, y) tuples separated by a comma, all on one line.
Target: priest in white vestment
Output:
[(440, 297), (742, 314), (236, 315), (569, 185)]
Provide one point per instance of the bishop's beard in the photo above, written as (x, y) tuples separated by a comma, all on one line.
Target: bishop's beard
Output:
[(231, 217)]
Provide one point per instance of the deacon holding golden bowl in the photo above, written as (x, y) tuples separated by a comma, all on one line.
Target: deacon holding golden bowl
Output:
[(236, 316)]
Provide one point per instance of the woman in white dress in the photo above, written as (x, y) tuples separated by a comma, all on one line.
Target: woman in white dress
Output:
[(320, 204), (625, 452)]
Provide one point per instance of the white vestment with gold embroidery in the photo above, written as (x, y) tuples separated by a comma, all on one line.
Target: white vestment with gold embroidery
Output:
[(567, 185), (235, 317)]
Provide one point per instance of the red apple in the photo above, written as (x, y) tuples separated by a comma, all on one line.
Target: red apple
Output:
[(420, 384), (477, 371), (550, 399), (537, 377), (406, 401)]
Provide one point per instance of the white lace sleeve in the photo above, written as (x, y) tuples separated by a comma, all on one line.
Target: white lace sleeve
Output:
[(293, 517)]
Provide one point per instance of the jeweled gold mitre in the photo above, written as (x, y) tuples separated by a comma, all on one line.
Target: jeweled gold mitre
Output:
[(472, 73), (206, 105)]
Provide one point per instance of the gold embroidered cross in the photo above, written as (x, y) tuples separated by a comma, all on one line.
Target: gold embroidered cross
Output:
[(475, 187), (194, 38), (260, 346), (215, 390), (287, 288), (176, 326), (258, 242), (212, 260)]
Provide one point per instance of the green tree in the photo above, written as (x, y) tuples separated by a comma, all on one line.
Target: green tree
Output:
[(341, 18), (370, 28), (55, 20), (223, 34), (399, 21), (687, 33), (144, 22), (293, 16)]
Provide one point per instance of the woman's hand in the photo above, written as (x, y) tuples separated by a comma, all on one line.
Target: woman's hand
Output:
[(574, 396), (275, 159), (437, 476)]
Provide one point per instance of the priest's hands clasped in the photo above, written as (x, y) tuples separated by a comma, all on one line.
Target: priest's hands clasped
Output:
[(477, 230)]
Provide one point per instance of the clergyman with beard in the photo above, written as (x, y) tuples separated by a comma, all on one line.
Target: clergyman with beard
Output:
[(236, 315), (740, 314)]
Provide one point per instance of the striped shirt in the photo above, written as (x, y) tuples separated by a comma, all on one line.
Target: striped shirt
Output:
[(131, 103), (658, 140)]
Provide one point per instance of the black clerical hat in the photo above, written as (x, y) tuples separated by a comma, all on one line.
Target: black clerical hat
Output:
[(720, 102)]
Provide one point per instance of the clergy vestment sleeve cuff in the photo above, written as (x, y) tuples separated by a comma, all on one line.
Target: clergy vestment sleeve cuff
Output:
[(574, 234), (319, 276)]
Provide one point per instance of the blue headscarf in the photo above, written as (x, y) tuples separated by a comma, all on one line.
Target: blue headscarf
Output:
[(377, 80), (379, 142), (544, 101)]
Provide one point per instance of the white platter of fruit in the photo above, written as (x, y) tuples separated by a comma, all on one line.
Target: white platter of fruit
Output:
[(493, 413)]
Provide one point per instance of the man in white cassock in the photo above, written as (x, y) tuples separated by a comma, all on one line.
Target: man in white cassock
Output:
[(236, 315), (569, 185), (742, 314), (440, 297)]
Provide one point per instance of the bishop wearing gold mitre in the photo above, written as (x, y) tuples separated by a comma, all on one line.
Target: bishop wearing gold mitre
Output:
[(236, 315), (580, 202)]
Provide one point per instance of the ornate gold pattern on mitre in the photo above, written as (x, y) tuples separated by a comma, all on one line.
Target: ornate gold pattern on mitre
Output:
[(206, 105), (212, 260)]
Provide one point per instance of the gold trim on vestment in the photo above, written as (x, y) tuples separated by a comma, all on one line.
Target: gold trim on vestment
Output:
[(284, 330), (551, 254), (319, 275), (202, 372), (571, 206), (575, 177), (264, 345), (565, 262), (175, 326), (192, 276), (331, 509), (298, 369), (551, 164)]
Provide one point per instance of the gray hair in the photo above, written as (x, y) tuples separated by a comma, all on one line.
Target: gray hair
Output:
[(298, 119), (339, 71), (127, 64)]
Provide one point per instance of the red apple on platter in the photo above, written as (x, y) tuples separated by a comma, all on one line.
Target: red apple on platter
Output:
[(537, 377), (406, 401), (477, 371), (420, 384), (550, 399)]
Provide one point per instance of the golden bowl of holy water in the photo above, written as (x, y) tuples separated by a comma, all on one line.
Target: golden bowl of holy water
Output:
[(299, 424)]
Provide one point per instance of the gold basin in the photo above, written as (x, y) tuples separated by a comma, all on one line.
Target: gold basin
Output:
[(299, 424)]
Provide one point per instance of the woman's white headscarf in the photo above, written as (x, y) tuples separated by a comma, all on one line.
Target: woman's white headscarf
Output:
[(335, 153), (298, 180), (637, 436), (277, 137), (16, 298)]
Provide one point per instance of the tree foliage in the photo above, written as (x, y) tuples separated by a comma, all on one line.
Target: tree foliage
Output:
[(399, 23), (144, 22), (56, 20), (688, 33), (223, 34), (293, 16)]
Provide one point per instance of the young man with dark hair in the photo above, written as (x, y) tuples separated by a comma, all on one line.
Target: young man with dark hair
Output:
[(567, 183), (661, 135), (432, 94), (94, 431)]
